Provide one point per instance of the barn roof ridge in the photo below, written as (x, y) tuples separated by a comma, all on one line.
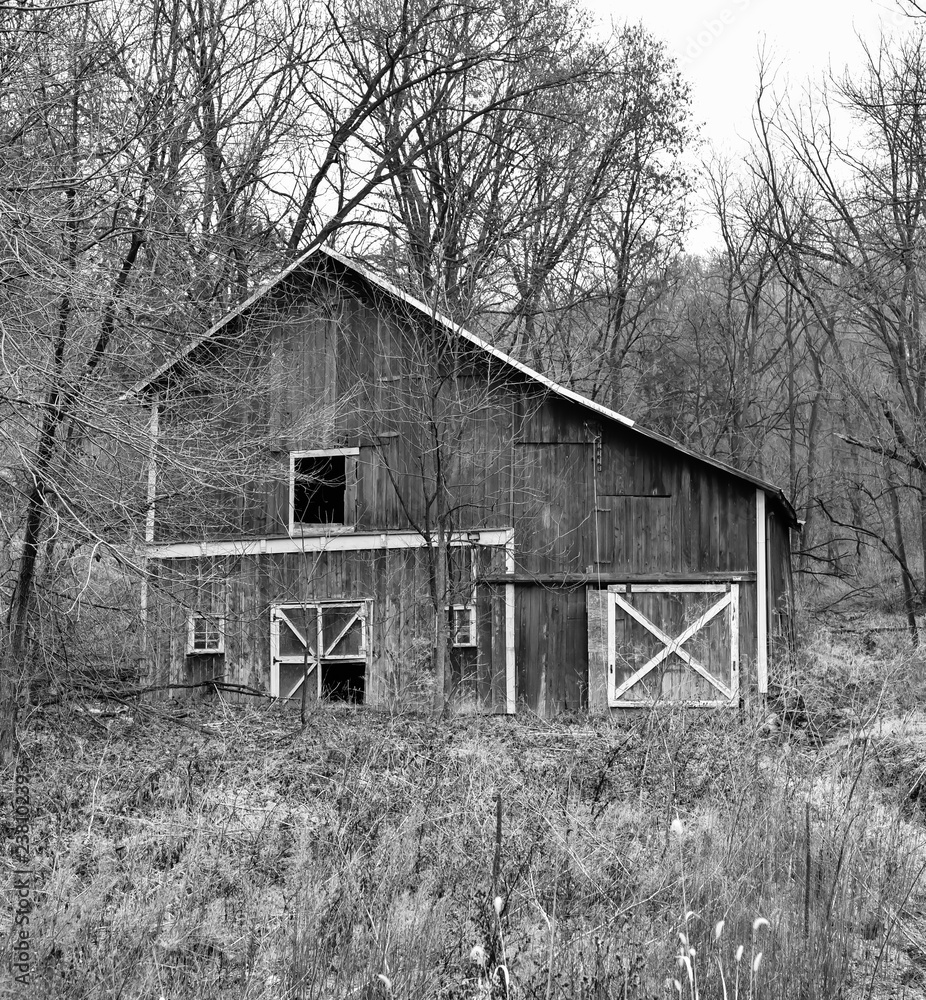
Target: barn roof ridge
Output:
[(384, 285)]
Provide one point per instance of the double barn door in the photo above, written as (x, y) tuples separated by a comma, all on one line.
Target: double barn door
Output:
[(324, 645)]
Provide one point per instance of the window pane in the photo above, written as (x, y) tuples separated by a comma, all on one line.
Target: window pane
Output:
[(334, 621), (206, 634), (461, 627), (319, 488), (296, 625), (291, 675)]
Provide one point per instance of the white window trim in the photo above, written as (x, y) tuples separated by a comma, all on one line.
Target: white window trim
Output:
[(470, 609), (298, 528), (219, 624)]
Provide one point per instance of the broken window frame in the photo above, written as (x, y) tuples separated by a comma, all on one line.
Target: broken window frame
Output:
[(455, 629), (213, 626), (351, 457)]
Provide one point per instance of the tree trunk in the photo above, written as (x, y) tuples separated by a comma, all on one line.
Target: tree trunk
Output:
[(922, 503), (8, 706), (908, 590)]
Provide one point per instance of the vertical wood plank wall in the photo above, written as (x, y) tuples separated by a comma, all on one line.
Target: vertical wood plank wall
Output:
[(599, 500), (781, 592), (241, 590)]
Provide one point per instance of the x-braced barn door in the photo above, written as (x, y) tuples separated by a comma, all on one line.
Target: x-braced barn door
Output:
[(323, 644), (673, 644)]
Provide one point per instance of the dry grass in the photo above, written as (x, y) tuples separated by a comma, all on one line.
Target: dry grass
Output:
[(358, 858)]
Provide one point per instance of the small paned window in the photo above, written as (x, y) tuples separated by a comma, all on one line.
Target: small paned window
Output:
[(205, 634), (462, 620), (322, 485)]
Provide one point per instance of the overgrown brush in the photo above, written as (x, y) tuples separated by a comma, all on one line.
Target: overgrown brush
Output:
[(374, 856)]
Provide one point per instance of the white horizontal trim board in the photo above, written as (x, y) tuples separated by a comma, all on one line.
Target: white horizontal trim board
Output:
[(670, 588), (355, 541), (323, 452)]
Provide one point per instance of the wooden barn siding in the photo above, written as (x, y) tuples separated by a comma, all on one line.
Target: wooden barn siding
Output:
[(339, 379), (648, 509), (543, 459), (242, 589), (630, 506), (232, 395), (551, 649)]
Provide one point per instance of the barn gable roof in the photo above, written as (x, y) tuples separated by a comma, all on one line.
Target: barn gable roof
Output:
[(382, 286)]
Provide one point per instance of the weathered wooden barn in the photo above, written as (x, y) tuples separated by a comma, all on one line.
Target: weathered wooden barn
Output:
[(341, 477)]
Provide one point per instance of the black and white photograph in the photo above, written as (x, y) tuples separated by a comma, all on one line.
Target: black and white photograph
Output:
[(463, 499)]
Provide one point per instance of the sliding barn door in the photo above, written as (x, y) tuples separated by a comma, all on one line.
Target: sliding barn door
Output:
[(673, 644)]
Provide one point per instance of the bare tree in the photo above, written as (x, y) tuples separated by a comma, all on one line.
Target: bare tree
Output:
[(130, 211), (849, 217), (561, 197), (609, 194), (156, 159)]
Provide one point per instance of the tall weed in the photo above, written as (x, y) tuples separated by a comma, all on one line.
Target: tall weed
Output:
[(391, 856)]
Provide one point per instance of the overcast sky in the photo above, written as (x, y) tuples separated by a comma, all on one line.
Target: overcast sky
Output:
[(717, 44)]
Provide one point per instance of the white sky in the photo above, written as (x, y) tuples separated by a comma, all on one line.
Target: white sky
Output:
[(717, 42)]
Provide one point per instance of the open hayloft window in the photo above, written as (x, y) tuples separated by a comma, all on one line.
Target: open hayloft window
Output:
[(323, 488), (205, 634)]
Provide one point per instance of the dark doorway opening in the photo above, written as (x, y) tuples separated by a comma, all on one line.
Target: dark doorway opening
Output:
[(344, 681)]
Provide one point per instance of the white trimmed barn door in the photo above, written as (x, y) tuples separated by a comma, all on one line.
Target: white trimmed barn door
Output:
[(322, 644), (673, 644)]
